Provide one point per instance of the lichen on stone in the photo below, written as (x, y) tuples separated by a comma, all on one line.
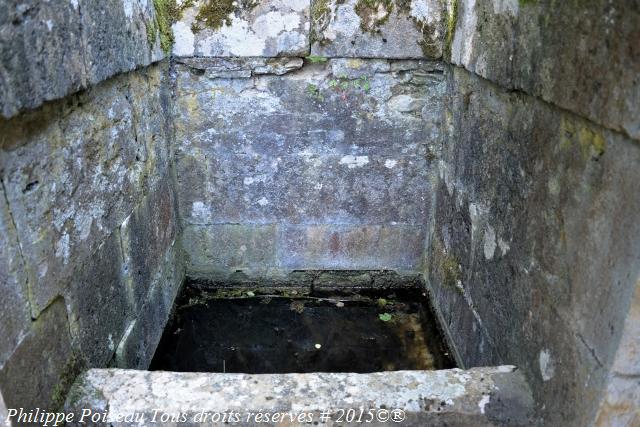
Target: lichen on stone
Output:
[(373, 14), (70, 372), (320, 18), (450, 271), (592, 143), (447, 264), (429, 43)]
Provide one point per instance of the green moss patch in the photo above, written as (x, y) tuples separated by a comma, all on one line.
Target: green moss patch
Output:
[(167, 11), (452, 22), (213, 14)]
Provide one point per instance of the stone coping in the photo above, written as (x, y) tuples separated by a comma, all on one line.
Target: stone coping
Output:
[(475, 397)]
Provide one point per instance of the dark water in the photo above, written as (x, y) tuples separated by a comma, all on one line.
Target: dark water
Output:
[(249, 332)]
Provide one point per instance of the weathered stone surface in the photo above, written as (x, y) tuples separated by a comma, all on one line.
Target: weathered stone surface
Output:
[(447, 397), (3, 411), (620, 405), (534, 233), (142, 335), (330, 147), (309, 147), (351, 247), (97, 303), (15, 316), (73, 171), (326, 279), (230, 247), (51, 49), (378, 29), (240, 67), (146, 235), (43, 367), (582, 56), (251, 28), (227, 247)]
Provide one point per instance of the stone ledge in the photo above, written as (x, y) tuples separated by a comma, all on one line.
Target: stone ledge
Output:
[(49, 50), (477, 397)]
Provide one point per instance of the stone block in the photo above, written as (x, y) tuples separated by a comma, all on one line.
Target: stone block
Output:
[(378, 29), (352, 247), (3, 411), (477, 397), (620, 405), (15, 315), (544, 49), (34, 38), (252, 28), (313, 189), (73, 171), (99, 304), (627, 359), (42, 368), (224, 247), (51, 49), (117, 36), (146, 234), (142, 335)]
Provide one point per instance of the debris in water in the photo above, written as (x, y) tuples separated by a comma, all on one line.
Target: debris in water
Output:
[(232, 332), (297, 306)]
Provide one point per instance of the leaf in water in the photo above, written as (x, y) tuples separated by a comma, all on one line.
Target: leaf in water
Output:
[(385, 317), (251, 294), (382, 302)]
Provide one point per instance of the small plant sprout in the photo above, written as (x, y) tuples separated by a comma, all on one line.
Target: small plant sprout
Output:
[(314, 92), (385, 317), (316, 59)]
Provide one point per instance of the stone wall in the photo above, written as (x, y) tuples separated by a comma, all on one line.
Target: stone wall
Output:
[(289, 165), (533, 255), (89, 264), (533, 258), (326, 162), (491, 144), (89, 213)]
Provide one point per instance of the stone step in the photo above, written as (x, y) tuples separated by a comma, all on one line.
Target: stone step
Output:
[(492, 396)]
